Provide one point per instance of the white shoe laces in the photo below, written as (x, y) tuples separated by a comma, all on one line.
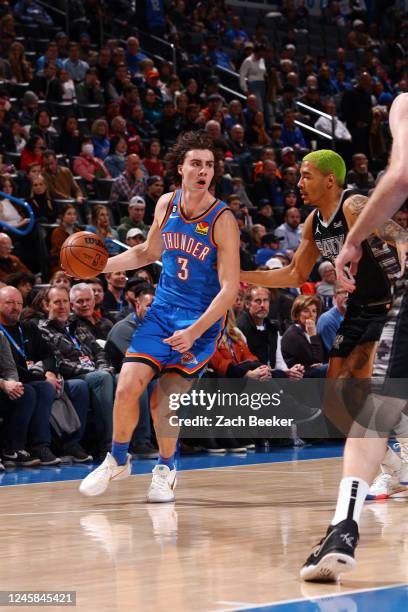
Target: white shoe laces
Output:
[(404, 450), (382, 480)]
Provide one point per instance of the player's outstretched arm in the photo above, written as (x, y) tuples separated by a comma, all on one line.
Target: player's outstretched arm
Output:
[(147, 252), (392, 190), (226, 236), (297, 272)]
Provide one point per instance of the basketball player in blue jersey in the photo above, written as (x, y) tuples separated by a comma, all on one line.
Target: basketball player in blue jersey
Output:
[(362, 455), (198, 239)]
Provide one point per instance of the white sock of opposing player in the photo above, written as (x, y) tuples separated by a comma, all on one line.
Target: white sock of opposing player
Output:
[(352, 494)]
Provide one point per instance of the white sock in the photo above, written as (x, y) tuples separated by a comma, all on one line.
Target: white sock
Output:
[(352, 494)]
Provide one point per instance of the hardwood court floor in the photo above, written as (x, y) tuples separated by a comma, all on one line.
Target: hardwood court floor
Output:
[(235, 538)]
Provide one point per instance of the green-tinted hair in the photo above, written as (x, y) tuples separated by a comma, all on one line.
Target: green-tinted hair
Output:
[(328, 161)]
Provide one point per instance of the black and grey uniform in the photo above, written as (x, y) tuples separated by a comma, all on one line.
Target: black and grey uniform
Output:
[(369, 304)]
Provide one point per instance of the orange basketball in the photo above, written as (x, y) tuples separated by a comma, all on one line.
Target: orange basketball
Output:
[(83, 255)]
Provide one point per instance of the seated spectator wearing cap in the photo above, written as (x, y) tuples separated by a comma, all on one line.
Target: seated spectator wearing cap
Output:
[(29, 108), (270, 246), (289, 231), (288, 158), (360, 177), (154, 190), (262, 334), (82, 300), (136, 212), (152, 161), (265, 215), (135, 236), (301, 342), (59, 180)]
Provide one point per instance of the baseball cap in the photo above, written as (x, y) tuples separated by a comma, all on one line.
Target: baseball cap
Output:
[(286, 150), (60, 35), (153, 74), (274, 263), (135, 231), (153, 179), (137, 201)]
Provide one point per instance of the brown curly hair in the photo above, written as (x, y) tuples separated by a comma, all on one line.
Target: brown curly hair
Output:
[(187, 141)]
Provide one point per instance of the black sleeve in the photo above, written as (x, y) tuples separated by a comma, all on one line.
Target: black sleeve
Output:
[(39, 349), (115, 356), (296, 348)]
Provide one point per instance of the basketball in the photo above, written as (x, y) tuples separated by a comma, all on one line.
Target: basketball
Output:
[(83, 255)]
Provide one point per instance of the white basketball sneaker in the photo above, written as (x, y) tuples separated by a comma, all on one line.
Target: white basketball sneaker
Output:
[(385, 485), (163, 484), (97, 481), (403, 446)]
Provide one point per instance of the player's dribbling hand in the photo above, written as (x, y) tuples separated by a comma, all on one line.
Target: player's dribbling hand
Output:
[(349, 254), (181, 340)]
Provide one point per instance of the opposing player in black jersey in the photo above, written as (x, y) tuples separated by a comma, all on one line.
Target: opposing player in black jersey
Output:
[(322, 177), (362, 455)]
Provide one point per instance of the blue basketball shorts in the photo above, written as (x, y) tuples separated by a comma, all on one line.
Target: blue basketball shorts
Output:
[(160, 322)]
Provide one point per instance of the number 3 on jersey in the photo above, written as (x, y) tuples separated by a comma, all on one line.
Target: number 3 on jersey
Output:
[(182, 273)]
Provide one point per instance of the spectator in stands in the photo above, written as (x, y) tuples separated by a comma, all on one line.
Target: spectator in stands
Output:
[(40, 201), (88, 166), (129, 98), (89, 91), (359, 177), (270, 245), (136, 213), (116, 160), (23, 282), (116, 85), (114, 298), (252, 74), (137, 124), (356, 108), (60, 181), (61, 279), (9, 263), (36, 367), (43, 127), (100, 138), (401, 218), (118, 341), (262, 335), (325, 287), (288, 158), (29, 109), (9, 213), (135, 236), (152, 161), (62, 40), (265, 215), (256, 134), (301, 342), (152, 107), (79, 356), (104, 67), (292, 135), (290, 231), (233, 359), (133, 54), (47, 84), (82, 300), (74, 65), (32, 152), (50, 55), (341, 63), (67, 227), (21, 69), (6, 136), (330, 321), (267, 186), (70, 140), (154, 190), (132, 182), (101, 226)]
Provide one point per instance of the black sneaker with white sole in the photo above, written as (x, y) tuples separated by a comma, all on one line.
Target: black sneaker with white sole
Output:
[(20, 458), (75, 454), (334, 554), (45, 455)]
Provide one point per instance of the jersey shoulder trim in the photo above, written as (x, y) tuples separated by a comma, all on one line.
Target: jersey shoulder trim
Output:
[(217, 216), (168, 210)]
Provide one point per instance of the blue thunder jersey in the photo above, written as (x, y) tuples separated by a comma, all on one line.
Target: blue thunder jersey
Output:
[(189, 276)]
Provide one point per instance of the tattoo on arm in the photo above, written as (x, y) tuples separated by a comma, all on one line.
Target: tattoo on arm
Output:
[(357, 203), (391, 231)]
